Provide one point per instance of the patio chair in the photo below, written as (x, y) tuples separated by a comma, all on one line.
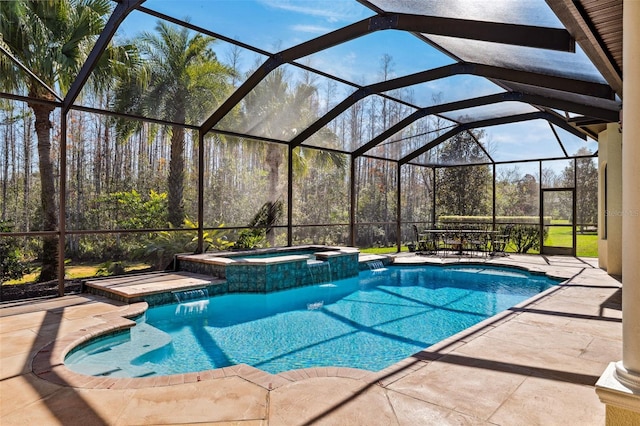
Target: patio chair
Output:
[(421, 242), (437, 238), (478, 243), (499, 242), (431, 243), (452, 242)]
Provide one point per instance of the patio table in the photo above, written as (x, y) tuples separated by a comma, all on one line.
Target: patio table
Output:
[(460, 235)]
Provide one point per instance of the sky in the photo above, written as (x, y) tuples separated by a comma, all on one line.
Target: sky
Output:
[(275, 25)]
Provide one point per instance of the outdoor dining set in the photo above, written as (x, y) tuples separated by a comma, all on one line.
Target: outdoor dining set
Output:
[(451, 241)]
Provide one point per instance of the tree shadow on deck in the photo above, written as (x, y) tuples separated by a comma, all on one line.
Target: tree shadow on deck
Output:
[(65, 403)]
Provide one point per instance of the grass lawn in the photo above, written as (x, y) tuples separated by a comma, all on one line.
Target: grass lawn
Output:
[(587, 243), (560, 236), (382, 250), (75, 271)]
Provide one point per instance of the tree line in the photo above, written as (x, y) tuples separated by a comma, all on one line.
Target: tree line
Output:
[(129, 174)]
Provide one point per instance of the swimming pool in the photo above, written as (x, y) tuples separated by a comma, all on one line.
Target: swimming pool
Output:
[(368, 322)]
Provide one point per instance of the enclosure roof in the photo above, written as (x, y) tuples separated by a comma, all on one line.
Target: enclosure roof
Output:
[(419, 71)]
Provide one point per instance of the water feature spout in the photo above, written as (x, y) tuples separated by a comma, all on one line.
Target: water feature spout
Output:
[(192, 302), (320, 271), (195, 308), (191, 295), (376, 265)]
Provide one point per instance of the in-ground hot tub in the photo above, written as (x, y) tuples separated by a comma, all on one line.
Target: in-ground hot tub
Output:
[(266, 270)]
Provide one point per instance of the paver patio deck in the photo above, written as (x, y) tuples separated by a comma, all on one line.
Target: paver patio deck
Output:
[(536, 363)]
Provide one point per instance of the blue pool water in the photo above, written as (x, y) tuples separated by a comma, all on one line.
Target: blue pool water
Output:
[(308, 253), (367, 322)]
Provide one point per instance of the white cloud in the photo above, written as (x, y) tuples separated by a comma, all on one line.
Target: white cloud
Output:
[(313, 29), (333, 11), (341, 64)]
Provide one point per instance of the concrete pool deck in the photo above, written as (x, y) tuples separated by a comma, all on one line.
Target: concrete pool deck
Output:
[(536, 363)]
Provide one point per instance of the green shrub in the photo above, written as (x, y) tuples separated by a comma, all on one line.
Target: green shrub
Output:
[(164, 245), (261, 223), (109, 268), (11, 265), (524, 237)]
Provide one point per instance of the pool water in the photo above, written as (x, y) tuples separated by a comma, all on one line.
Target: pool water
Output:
[(368, 322), (307, 253)]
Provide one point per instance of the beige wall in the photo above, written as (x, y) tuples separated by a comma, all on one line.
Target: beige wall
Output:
[(610, 157), (617, 416)]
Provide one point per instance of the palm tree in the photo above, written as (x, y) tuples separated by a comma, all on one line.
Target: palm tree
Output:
[(277, 109), (182, 81), (51, 38)]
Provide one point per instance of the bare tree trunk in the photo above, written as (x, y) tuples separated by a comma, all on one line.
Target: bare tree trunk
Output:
[(27, 170), (274, 159), (97, 159), (105, 172), (176, 178), (80, 160), (8, 134)]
